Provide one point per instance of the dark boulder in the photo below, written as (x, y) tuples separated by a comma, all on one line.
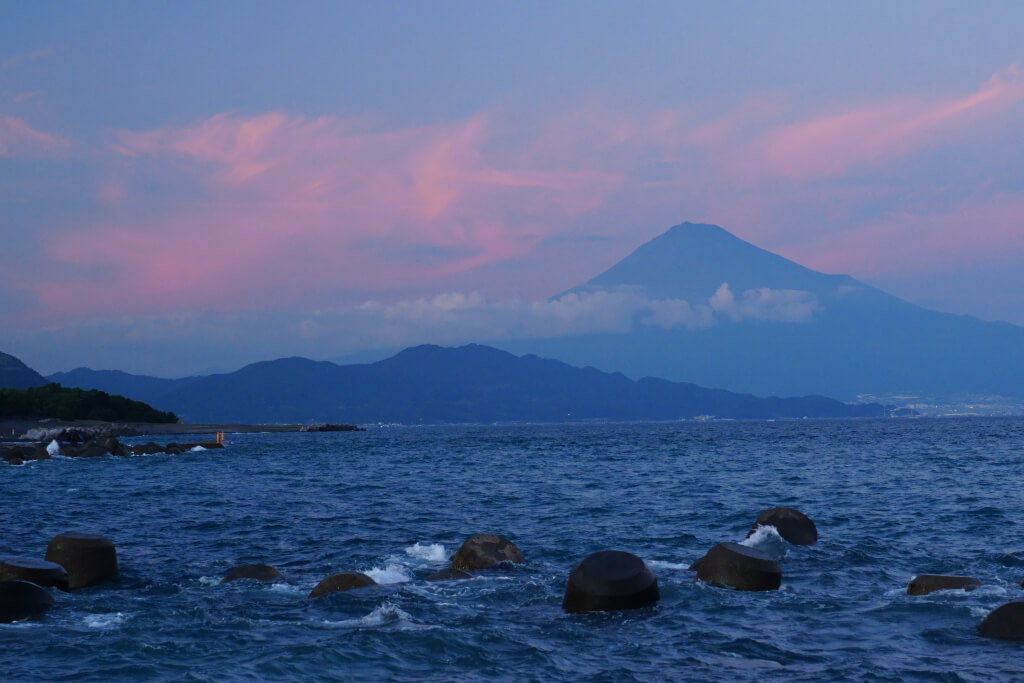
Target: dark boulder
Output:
[(22, 600), (92, 449), (485, 550), (1005, 622), (40, 452), (792, 525), (174, 448), (449, 575), (259, 572), (115, 447), (923, 584), (19, 453), (39, 572), (341, 582), (147, 448), (209, 445), (89, 559), (610, 580), (731, 565)]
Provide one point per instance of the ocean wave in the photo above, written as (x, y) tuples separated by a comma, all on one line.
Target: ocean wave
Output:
[(431, 552), (660, 564), (384, 615), (105, 621), (392, 573)]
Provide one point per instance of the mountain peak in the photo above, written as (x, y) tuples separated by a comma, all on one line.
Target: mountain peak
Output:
[(691, 261)]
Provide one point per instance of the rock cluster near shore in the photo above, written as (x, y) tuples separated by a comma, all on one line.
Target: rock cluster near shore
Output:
[(606, 580), (18, 454), (330, 427)]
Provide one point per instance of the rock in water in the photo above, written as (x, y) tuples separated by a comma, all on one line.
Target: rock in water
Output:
[(449, 575), (792, 525), (731, 565), (485, 550), (1005, 622), (259, 572), (923, 584), (610, 580), (39, 572), (22, 600), (88, 559), (341, 582)]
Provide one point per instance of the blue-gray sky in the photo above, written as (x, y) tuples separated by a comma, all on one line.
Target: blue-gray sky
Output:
[(187, 186)]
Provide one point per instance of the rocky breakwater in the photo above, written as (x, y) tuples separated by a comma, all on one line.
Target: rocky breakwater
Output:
[(18, 454), (330, 427)]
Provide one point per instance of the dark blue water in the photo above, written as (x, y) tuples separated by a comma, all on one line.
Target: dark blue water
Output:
[(891, 499)]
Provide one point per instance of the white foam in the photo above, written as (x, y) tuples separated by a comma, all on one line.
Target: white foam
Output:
[(53, 448), (288, 588), (658, 564), (103, 621), (431, 552), (393, 573), (209, 580), (197, 448), (763, 534), (382, 616)]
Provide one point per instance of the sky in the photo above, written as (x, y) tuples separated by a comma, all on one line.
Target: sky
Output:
[(189, 187)]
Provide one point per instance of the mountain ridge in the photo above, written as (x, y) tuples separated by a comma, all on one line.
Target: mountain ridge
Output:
[(473, 383)]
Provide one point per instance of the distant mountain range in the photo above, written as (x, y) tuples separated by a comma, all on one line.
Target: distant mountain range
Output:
[(432, 384), (16, 375), (827, 334)]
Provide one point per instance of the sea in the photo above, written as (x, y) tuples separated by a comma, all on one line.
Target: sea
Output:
[(890, 498)]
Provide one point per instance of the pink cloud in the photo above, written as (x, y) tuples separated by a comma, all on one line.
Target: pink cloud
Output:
[(874, 133), (973, 231), (19, 139), (284, 210)]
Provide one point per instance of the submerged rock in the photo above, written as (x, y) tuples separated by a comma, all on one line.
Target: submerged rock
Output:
[(923, 584), (22, 600), (1005, 622), (449, 574), (341, 582), (485, 550), (731, 565), (792, 525), (259, 572), (610, 580), (39, 572), (89, 559)]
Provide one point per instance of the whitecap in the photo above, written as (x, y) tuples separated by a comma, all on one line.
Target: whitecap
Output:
[(197, 448), (209, 580), (766, 538), (103, 621), (53, 448), (384, 615), (393, 573), (659, 564), (431, 552), (288, 588)]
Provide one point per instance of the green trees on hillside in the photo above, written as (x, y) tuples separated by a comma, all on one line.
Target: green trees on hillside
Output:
[(54, 401)]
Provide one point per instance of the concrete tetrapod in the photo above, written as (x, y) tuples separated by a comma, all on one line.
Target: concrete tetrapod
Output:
[(610, 580), (731, 565), (341, 582), (1005, 622), (259, 572), (923, 584), (89, 559), (39, 572), (485, 550), (792, 525), (21, 600)]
